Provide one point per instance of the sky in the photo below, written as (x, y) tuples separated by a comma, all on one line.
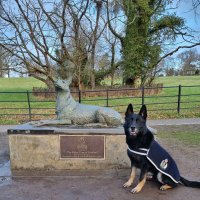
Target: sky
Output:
[(186, 11)]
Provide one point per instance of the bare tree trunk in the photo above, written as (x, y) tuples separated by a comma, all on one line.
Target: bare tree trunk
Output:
[(95, 38), (112, 63), (50, 85), (92, 75), (8, 72)]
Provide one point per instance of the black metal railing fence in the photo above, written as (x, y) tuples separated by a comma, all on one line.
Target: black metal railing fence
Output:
[(172, 98)]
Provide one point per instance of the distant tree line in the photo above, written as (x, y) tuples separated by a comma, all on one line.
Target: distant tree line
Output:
[(186, 63)]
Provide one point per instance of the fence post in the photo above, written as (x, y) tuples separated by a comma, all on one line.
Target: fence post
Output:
[(29, 105), (79, 96), (179, 99), (107, 98), (142, 95)]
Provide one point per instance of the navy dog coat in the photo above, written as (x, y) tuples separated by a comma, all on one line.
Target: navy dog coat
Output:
[(161, 160)]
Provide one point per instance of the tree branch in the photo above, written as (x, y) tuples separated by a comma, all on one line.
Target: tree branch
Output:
[(177, 49), (110, 26)]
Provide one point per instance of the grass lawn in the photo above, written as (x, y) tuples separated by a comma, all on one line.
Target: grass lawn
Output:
[(186, 135), (18, 101), (14, 101), (190, 105), (179, 80), (19, 84)]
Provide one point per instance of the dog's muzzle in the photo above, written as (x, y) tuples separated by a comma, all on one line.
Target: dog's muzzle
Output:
[(133, 131)]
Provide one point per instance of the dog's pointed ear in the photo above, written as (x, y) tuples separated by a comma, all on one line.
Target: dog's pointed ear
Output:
[(143, 112), (129, 109)]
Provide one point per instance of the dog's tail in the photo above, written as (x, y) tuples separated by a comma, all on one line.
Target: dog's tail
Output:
[(187, 183)]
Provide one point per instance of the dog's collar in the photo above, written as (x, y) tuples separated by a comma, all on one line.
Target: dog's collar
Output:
[(139, 151)]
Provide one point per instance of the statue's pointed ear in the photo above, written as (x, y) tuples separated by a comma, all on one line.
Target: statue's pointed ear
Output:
[(129, 109), (143, 112)]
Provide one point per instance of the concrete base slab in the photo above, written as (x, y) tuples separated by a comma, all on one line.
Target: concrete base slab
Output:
[(41, 148)]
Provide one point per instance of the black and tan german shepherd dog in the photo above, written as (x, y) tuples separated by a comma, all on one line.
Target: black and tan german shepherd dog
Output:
[(139, 139)]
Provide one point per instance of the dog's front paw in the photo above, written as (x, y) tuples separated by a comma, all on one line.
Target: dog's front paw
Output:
[(127, 184), (136, 190), (165, 187)]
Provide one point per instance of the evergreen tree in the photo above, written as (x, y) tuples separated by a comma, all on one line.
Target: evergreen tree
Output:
[(148, 26)]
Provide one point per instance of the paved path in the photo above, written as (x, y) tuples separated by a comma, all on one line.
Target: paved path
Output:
[(98, 185), (166, 122), (4, 128)]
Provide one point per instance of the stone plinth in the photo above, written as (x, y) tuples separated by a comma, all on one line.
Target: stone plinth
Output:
[(65, 148)]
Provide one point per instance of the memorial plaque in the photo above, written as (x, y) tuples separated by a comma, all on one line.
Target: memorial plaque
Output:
[(82, 146)]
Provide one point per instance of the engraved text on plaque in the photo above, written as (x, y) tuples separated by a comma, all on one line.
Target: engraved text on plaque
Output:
[(82, 146)]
